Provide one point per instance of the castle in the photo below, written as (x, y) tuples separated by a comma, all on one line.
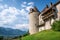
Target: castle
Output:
[(42, 20)]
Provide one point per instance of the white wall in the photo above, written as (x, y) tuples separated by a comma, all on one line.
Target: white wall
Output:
[(58, 9), (41, 28), (40, 20), (47, 24)]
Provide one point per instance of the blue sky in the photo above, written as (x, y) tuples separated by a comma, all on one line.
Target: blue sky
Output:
[(14, 13)]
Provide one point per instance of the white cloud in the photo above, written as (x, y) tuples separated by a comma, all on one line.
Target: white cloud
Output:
[(31, 3), (3, 6), (6, 6), (6, 17), (23, 5), (24, 2), (22, 27), (23, 11), (9, 15), (28, 7)]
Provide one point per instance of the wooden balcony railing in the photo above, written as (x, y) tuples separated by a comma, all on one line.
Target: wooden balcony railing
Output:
[(46, 17)]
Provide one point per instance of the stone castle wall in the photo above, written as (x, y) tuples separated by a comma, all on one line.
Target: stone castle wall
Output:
[(33, 22), (35, 19), (48, 23)]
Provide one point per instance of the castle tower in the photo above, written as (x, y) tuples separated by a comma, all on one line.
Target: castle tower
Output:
[(33, 21)]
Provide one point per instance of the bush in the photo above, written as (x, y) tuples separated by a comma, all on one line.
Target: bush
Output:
[(1, 37), (56, 25)]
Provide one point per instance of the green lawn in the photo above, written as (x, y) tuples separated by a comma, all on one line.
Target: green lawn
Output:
[(44, 35)]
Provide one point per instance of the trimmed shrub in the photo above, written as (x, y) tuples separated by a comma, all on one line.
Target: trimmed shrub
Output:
[(56, 26)]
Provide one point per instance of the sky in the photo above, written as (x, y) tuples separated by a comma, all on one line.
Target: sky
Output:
[(15, 13)]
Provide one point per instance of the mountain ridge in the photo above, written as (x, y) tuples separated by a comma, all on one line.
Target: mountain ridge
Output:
[(8, 32)]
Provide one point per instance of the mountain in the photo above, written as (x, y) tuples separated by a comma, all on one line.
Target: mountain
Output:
[(8, 32)]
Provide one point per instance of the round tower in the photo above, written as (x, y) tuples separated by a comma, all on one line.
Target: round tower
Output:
[(33, 20)]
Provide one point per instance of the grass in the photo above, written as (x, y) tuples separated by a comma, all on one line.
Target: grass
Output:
[(44, 35)]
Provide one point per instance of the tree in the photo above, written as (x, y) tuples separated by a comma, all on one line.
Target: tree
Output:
[(56, 25)]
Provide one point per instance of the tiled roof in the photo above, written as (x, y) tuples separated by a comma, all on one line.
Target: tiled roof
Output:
[(50, 8)]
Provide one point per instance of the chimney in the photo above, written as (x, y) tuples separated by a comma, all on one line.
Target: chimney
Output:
[(51, 4), (47, 6)]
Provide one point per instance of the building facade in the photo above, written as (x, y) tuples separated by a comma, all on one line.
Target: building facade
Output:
[(39, 21)]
